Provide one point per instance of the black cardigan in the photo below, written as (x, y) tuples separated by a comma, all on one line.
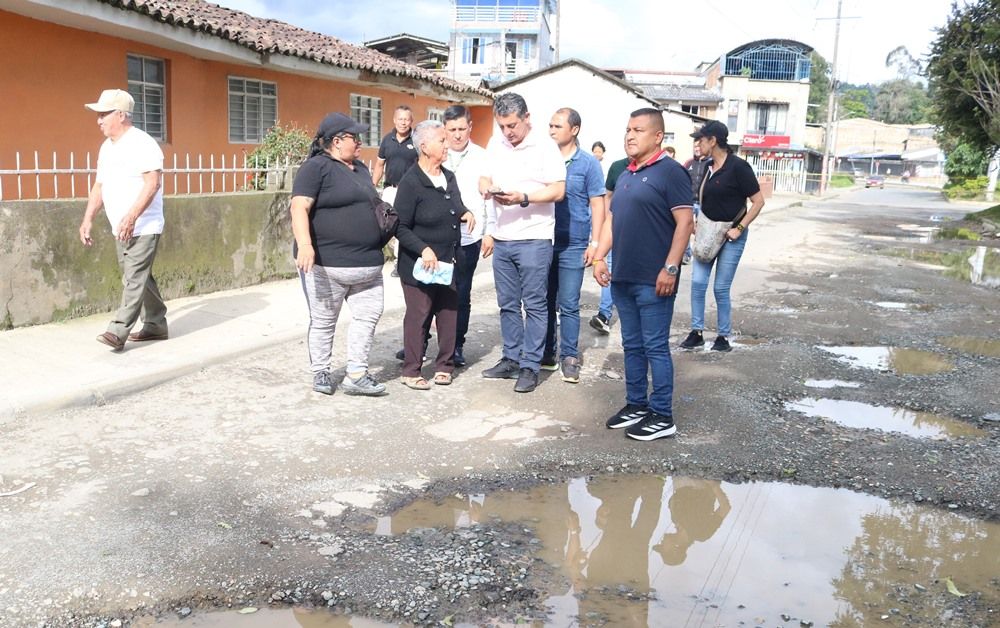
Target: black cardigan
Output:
[(428, 216)]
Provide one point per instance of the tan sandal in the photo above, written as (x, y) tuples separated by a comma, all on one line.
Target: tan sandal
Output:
[(442, 379), (416, 383)]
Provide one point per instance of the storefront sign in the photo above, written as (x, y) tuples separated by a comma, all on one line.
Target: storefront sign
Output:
[(753, 140)]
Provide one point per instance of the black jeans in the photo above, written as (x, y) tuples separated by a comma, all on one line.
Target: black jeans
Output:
[(465, 267)]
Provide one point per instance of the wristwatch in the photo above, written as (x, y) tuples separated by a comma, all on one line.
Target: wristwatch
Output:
[(672, 269), (525, 202)]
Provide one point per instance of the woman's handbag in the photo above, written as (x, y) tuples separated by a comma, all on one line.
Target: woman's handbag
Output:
[(387, 219)]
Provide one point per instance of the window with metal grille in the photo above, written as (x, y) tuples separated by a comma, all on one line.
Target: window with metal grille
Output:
[(253, 109), (767, 118), (433, 113), (147, 85), (368, 110)]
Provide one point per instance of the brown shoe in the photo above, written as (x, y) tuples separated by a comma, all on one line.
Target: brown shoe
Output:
[(143, 335), (111, 340)]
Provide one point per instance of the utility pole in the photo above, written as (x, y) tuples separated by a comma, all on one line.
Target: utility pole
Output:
[(825, 171)]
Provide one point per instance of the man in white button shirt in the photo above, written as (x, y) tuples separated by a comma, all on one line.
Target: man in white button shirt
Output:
[(129, 171), (526, 176), (468, 161)]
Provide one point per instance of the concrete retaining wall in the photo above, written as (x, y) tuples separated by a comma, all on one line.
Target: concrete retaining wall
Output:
[(210, 243)]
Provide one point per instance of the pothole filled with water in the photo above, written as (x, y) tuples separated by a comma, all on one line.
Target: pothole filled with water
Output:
[(662, 551), (887, 419), (674, 551), (900, 361), (831, 383), (970, 344), (978, 265)]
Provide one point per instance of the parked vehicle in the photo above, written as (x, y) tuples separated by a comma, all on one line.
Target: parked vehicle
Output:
[(875, 181)]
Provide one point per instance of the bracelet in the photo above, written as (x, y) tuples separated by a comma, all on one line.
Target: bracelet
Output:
[(739, 227)]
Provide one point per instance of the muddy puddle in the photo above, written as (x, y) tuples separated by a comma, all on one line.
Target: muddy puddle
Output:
[(266, 618), (831, 383), (900, 361), (887, 419), (978, 265), (662, 551), (971, 344)]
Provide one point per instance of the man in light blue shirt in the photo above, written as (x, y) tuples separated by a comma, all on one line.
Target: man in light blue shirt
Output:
[(579, 218)]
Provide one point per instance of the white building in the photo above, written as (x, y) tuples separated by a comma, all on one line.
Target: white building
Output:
[(498, 40), (604, 103)]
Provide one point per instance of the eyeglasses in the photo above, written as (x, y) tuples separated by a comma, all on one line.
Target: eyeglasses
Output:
[(354, 138)]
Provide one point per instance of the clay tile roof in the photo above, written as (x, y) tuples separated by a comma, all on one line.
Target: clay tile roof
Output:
[(275, 37)]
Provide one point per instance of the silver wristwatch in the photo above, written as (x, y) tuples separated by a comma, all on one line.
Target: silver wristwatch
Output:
[(672, 269)]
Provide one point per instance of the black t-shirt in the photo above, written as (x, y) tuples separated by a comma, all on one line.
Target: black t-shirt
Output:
[(398, 156), (726, 191), (341, 222)]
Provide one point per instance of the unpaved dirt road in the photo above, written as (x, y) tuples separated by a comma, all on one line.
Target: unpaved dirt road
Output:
[(237, 486)]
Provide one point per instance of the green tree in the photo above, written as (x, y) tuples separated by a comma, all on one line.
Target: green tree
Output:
[(856, 102), (901, 101), (819, 88), (964, 74), (966, 162)]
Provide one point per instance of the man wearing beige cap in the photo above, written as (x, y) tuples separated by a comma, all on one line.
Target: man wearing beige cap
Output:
[(129, 167)]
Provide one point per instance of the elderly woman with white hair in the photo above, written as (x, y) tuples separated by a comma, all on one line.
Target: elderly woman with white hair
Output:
[(431, 214)]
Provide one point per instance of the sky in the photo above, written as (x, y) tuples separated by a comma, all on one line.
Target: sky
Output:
[(656, 34)]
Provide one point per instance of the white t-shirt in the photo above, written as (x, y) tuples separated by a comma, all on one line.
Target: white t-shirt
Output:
[(468, 165), (530, 166), (120, 166)]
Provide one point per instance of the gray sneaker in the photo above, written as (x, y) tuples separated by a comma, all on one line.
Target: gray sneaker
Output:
[(322, 383), (571, 370), (364, 385)]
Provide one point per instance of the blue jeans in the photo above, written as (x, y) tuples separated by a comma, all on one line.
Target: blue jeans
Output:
[(565, 281), (645, 319), (521, 272), (607, 302), (466, 262), (725, 269)]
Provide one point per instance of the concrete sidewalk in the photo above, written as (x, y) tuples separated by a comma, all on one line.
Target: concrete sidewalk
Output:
[(61, 365)]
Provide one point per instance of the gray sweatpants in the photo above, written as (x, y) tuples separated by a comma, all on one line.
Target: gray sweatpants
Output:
[(326, 288), (140, 294)]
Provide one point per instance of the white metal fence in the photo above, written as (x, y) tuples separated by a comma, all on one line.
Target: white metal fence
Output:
[(38, 176)]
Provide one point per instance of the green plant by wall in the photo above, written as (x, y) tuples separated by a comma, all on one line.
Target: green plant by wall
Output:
[(281, 143), (971, 188), (841, 181)]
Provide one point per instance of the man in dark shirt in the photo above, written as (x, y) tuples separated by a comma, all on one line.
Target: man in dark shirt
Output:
[(396, 152), (650, 225), (601, 322)]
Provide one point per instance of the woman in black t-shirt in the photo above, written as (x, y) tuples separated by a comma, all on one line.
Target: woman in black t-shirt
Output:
[(726, 185), (431, 214), (338, 252)]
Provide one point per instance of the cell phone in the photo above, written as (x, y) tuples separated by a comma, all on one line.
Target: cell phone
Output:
[(496, 190)]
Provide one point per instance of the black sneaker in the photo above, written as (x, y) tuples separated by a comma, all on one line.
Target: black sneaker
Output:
[(549, 363), (458, 358), (366, 385), (652, 427), (504, 369), (527, 381), (322, 383), (693, 341), (721, 344), (629, 415), (600, 323), (571, 370)]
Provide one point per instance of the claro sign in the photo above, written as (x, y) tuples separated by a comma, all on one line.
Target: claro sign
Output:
[(753, 140)]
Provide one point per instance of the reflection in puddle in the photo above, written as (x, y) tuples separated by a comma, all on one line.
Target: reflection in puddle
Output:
[(902, 361), (863, 415), (831, 383), (979, 265), (655, 551), (971, 344), (266, 618), (893, 305)]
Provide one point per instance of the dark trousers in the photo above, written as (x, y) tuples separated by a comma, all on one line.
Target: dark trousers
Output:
[(423, 303), (465, 267)]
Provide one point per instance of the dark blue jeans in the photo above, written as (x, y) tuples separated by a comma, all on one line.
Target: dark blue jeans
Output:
[(521, 272), (565, 281), (645, 323), (465, 267)]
